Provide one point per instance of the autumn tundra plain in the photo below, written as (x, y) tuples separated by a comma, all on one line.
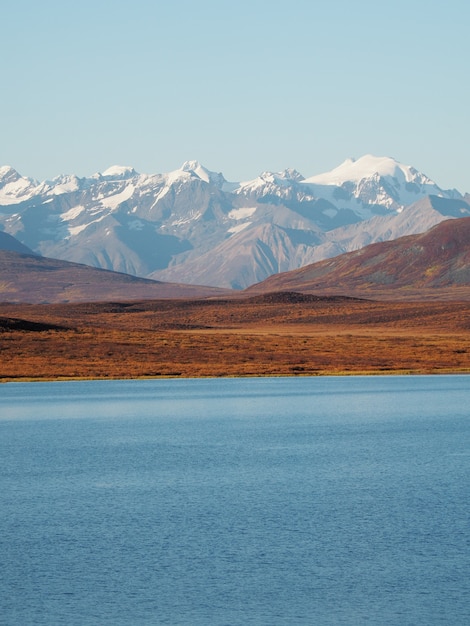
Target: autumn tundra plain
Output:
[(274, 334)]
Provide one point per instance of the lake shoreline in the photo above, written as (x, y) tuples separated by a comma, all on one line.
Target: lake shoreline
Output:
[(326, 374)]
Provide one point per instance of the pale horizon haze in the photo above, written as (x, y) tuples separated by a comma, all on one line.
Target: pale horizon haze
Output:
[(241, 87)]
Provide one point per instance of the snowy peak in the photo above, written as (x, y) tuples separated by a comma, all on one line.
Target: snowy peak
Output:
[(369, 166), (119, 172), (60, 185), (14, 188), (380, 181), (269, 181), (196, 169), (291, 174), (286, 177), (8, 175)]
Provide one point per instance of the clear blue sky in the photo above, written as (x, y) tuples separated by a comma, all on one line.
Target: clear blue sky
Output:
[(241, 86)]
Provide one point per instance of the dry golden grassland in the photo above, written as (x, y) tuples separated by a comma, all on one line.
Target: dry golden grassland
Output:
[(261, 336)]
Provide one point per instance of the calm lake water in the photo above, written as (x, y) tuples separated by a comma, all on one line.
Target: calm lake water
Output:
[(228, 502)]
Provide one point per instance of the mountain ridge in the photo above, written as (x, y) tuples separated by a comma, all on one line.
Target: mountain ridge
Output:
[(191, 225), (29, 278), (429, 265)]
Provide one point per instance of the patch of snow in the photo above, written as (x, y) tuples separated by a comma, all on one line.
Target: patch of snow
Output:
[(159, 196), (112, 202), (6, 200), (194, 215), (242, 213), (75, 230), (72, 213), (238, 227), (330, 212)]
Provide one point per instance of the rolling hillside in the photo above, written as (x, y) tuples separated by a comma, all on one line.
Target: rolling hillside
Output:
[(433, 265), (35, 279)]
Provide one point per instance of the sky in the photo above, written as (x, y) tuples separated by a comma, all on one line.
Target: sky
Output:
[(243, 87)]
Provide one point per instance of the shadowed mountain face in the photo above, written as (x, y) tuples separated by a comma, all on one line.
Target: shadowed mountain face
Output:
[(34, 279), (7, 242), (434, 264)]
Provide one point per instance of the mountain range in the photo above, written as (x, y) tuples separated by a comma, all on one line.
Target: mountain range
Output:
[(192, 226)]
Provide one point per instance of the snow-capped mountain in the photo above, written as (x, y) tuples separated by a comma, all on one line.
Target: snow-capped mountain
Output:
[(381, 181), (191, 225)]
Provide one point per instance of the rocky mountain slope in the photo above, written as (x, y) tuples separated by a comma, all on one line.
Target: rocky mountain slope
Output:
[(7, 242), (192, 226), (430, 265)]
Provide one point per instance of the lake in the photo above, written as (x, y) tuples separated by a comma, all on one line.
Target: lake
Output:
[(270, 501)]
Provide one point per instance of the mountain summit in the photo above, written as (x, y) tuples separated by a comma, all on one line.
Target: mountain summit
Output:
[(193, 226), (355, 170)]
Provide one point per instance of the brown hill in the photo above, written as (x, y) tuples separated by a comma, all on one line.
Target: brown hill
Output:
[(35, 279), (433, 265)]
